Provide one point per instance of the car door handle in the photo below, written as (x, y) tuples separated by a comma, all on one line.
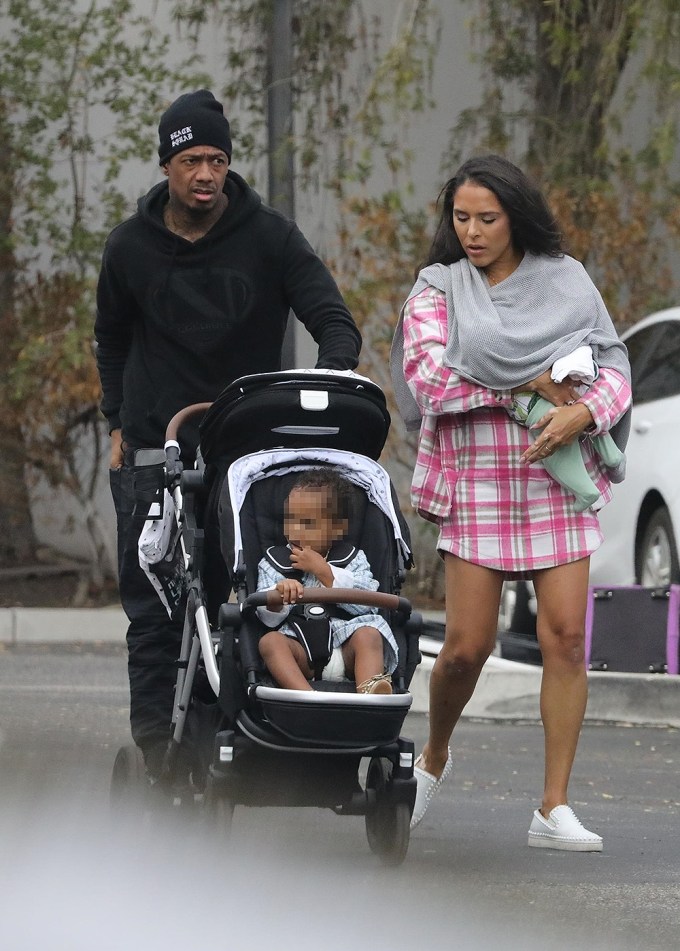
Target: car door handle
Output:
[(642, 426)]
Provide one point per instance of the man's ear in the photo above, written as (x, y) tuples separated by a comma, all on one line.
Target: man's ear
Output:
[(166, 169)]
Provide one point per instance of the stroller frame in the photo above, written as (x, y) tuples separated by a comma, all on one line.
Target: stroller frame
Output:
[(265, 745)]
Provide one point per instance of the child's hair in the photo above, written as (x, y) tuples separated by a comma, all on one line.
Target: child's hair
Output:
[(339, 489)]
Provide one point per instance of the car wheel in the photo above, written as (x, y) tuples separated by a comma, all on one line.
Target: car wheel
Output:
[(657, 563)]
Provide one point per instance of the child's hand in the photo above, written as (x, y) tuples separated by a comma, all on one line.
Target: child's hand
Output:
[(290, 591), (306, 559)]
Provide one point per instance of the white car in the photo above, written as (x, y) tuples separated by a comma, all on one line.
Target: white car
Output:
[(641, 524), (642, 521)]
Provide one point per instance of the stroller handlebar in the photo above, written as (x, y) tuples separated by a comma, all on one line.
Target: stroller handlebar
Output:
[(181, 417), (173, 465), (272, 600)]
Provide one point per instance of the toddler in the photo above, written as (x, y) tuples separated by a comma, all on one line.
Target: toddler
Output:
[(304, 643)]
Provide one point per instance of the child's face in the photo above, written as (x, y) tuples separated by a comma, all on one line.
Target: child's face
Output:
[(308, 520)]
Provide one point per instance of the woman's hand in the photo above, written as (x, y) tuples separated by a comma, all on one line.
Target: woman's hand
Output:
[(560, 426)]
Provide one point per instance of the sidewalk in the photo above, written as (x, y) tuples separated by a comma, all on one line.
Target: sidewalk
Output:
[(506, 690)]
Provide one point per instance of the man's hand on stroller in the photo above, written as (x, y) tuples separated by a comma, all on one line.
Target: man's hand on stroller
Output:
[(290, 591)]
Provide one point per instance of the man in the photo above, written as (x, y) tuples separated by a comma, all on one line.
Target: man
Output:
[(194, 291)]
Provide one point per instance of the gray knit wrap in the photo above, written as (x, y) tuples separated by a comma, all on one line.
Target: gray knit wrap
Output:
[(507, 335)]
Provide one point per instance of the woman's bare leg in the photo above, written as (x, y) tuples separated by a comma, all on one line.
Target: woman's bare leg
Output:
[(286, 660), (562, 594), (472, 600)]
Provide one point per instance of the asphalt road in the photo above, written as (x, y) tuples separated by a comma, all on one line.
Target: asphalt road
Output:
[(71, 880)]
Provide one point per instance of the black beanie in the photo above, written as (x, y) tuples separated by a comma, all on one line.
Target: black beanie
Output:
[(196, 118)]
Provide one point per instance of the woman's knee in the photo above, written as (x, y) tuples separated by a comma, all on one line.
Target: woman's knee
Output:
[(462, 659), (565, 644)]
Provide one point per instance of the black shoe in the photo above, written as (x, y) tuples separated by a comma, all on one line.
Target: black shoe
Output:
[(155, 763)]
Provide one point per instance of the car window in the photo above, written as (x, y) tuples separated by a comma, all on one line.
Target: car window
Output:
[(655, 361), (639, 345)]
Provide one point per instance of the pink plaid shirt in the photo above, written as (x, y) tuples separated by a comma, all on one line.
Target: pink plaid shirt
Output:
[(492, 509)]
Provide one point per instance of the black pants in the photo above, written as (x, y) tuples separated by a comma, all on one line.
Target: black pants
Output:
[(153, 640)]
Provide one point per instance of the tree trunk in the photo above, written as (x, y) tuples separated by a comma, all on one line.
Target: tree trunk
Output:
[(581, 50), (17, 539)]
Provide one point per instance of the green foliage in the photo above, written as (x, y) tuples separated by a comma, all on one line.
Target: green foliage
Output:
[(562, 78), (322, 40), (348, 82), (61, 67)]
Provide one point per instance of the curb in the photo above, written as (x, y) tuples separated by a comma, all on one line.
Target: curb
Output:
[(508, 690), (19, 626)]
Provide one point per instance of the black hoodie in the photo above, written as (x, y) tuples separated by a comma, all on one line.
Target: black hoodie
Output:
[(177, 321)]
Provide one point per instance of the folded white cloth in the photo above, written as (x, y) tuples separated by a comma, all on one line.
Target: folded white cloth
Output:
[(579, 365)]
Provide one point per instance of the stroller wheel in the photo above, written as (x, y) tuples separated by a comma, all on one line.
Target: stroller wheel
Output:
[(387, 820), (128, 788), (219, 810)]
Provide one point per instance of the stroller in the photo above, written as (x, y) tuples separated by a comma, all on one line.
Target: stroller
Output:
[(248, 741)]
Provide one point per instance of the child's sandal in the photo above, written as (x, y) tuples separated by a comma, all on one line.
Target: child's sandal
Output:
[(380, 684)]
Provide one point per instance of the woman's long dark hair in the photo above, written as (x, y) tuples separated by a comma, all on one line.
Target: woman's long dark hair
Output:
[(532, 224)]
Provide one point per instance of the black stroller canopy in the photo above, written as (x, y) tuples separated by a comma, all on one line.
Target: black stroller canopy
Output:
[(295, 409)]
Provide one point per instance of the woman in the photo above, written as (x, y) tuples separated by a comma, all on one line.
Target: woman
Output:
[(497, 303)]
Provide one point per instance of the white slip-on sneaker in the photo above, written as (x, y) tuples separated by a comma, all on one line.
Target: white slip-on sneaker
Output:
[(562, 830), (427, 788)]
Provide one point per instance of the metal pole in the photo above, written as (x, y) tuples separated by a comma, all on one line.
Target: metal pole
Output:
[(280, 132)]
